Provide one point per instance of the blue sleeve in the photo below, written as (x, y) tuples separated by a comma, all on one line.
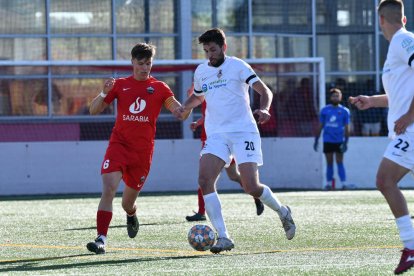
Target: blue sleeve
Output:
[(347, 117), (322, 116)]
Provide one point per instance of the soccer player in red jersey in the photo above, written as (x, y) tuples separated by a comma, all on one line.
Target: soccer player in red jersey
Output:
[(231, 171), (140, 98)]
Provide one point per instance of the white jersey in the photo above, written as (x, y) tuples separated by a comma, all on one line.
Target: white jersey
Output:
[(398, 77), (226, 91)]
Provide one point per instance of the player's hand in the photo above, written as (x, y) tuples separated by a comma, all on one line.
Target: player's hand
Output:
[(343, 147), (315, 144), (263, 115), (109, 84), (193, 126), (182, 113), (361, 102), (178, 112), (402, 123)]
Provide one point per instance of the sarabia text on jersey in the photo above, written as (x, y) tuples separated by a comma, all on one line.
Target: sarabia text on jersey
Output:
[(398, 77), (138, 104), (226, 91), (334, 119)]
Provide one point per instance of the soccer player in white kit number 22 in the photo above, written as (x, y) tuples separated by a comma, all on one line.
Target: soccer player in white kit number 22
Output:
[(398, 81)]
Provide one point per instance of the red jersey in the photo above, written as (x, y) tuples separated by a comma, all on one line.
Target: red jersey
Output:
[(203, 136), (138, 104)]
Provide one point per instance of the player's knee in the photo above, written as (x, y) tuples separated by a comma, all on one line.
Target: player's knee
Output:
[(109, 190), (253, 190), (203, 181), (129, 207), (382, 183), (235, 178)]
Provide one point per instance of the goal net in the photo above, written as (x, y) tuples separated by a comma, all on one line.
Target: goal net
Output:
[(44, 94)]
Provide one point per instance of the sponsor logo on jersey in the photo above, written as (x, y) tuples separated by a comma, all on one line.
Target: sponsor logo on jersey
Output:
[(204, 88), (136, 107), (214, 84), (126, 88), (135, 118), (332, 122)]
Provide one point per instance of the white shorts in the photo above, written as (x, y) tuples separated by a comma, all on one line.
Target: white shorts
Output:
[(401, 150), (242, 146)]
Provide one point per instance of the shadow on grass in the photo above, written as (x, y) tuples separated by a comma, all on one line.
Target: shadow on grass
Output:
[(34, 264), (120, 226)]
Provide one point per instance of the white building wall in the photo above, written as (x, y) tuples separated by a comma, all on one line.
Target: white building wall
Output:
[(74, 167)]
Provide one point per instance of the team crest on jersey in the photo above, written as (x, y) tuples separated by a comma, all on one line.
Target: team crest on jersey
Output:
[(204, 87), (150, 90), (219, 74)]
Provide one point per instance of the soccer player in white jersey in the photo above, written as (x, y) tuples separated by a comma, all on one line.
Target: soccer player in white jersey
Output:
[(398, 81), (223, 82)]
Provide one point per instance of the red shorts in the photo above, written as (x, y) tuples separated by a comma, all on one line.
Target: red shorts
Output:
[(135, 166)]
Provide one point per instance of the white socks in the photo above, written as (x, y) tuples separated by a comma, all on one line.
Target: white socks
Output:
[(270, 200), (103, 238), (406, 230), (213, 209)]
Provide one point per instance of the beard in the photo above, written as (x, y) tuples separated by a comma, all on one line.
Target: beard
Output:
[(218, 61)]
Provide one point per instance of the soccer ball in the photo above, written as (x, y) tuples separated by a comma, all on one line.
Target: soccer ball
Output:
[(201, 237)]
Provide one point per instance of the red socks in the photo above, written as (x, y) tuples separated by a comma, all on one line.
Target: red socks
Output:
[(103, 219), (201, 205)]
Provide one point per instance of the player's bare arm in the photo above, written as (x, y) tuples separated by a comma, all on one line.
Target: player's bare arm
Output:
[(98, 105), (364, 102), (192, 102), (318, 134), (405, 120), (266, 97), (173, 105)]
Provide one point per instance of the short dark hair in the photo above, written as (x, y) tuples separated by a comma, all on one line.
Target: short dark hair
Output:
[(334, 90), (213, 35), (392, 10), (143, 50)]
